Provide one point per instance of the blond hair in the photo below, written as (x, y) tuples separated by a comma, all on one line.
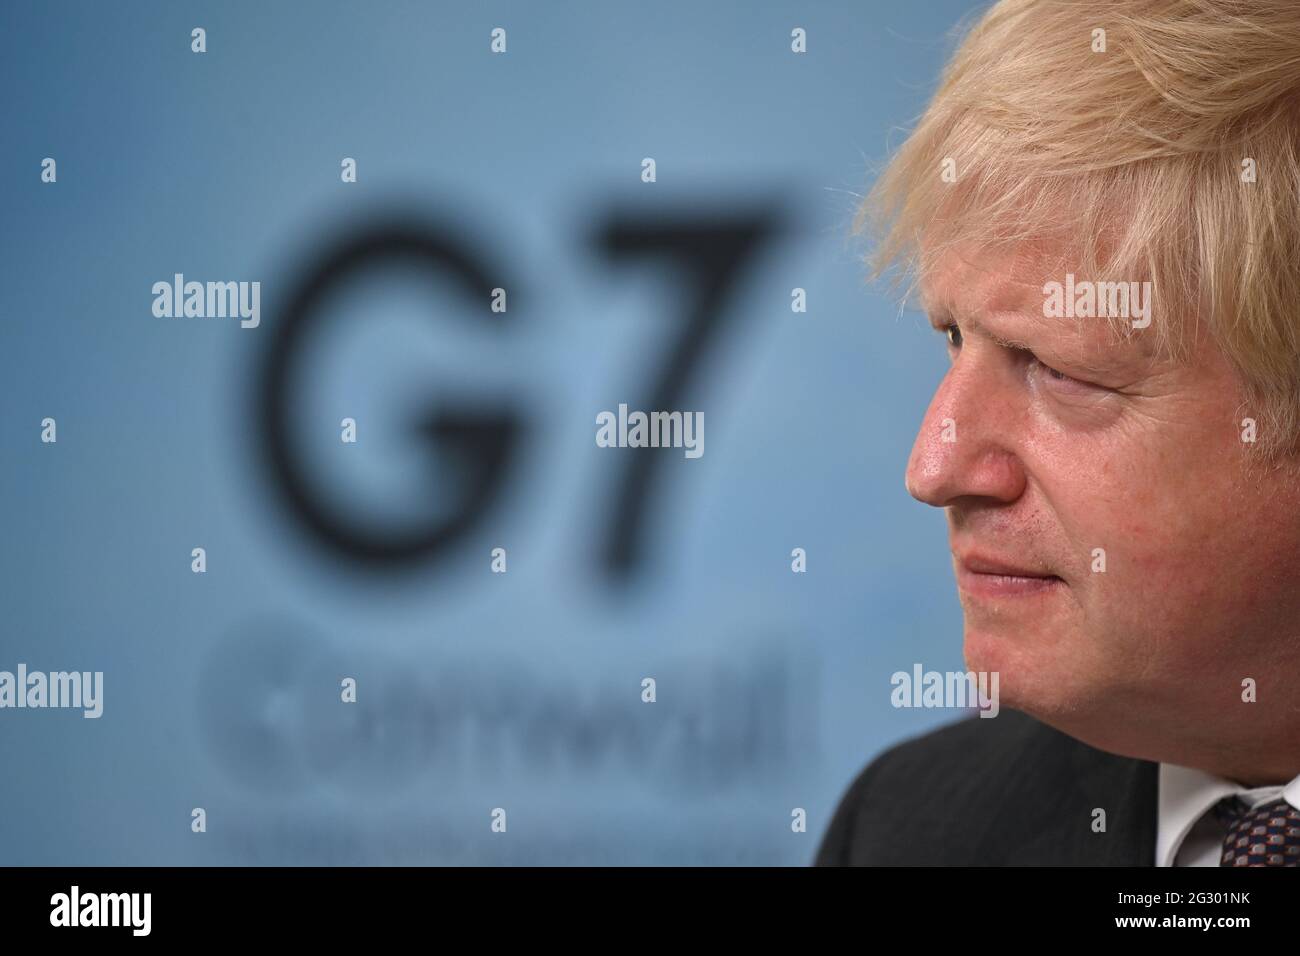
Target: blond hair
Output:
[(1138, 157)]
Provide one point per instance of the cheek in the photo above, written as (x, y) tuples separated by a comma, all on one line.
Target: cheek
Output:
[(1147, 520), (1189, 547), (1161, 560)]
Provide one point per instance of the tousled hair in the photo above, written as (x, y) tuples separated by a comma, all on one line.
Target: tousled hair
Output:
[(1136, 158)]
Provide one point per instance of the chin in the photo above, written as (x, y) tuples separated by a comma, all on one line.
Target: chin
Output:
[(989, 649), (1033, 675)]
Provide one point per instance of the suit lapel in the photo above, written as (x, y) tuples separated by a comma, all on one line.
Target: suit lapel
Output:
[(1125, 788)]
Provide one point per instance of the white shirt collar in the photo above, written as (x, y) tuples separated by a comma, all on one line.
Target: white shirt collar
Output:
[(1185, 794)]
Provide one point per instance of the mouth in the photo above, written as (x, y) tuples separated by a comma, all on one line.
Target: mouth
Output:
[(984, 576)]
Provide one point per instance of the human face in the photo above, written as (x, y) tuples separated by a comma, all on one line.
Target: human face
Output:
[(1072, 443)]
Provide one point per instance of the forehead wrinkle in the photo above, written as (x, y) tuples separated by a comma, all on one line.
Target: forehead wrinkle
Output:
[(969, 321), (968, 291)]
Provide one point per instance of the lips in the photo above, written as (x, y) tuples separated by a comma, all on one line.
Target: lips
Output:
[(981, 564), (991, 576)]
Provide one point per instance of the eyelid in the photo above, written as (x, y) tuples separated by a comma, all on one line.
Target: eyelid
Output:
[(1061, 377)]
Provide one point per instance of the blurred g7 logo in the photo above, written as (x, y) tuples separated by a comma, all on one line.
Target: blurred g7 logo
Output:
[(710, 250)]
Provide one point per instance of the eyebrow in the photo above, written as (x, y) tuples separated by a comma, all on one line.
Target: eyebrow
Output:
[(1095, 365)]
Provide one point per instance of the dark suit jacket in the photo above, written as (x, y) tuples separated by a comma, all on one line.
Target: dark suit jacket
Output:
[(1006, 790)]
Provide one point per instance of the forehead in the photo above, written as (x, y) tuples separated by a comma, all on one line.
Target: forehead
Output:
[(1001, 294)]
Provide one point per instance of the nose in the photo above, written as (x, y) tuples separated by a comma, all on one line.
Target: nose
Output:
[(967, 444)]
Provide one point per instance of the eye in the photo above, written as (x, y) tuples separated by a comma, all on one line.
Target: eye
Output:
[(953, 335), (1053, 373), (1060, 378)]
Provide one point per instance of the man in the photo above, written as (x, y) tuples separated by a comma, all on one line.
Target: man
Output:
[(1101, 210)]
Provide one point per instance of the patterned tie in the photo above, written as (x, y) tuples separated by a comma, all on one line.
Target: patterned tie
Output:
[(1266, 836)]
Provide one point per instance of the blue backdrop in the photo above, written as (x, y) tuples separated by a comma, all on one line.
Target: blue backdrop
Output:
[(475, 690)]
